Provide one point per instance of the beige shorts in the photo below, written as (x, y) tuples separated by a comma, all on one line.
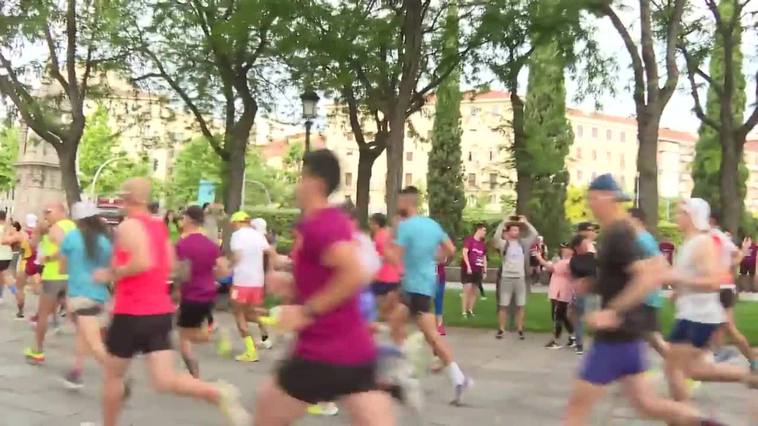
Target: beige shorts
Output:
[(85, 307), (512, 288)]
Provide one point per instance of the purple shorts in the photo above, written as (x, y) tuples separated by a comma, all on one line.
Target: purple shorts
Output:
[(607, 362)]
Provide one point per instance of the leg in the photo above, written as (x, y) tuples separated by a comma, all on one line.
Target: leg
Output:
[(397, 322), (520, 318), (370, 409), (520, 290), (20, 293), (113, 389), (583, 397), (554, 318), (240, 318), (737, 337), (639, 392), (89, 328), (439, 302), (166, 380), (502, 318), (45, 308), (275, 407), (426, 324), (675, 373), (466, 301), (564, 317), (80, 350), (481, 287)]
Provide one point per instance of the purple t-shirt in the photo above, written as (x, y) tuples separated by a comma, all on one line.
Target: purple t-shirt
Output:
[(476, 254), (201, 253), (341, 336)]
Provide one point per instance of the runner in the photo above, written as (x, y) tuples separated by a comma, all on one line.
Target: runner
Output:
[(6, 253), (334, 357), (142, 312), (439, 297), (513, 238), (699, 270), (28, 268), (54, 229), (560, 293), (730, 257), (420, 242), (618, 353), (473, 267), (654, 301), (583, 268), (249, 247), (199, 263), (387, 281), (18, 240), (84, 250)]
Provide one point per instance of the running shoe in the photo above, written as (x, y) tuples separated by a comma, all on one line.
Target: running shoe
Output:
[(247, 357), (230, 405), (483, 298), (224, 344), (499, 334), (521, 335), (19, 316), (553, 345), (413, 394), (441, 330), (34, 357), (266, 344), (323, 409), (471, 314), (460, 389), (571, 343), (73, 380), (724, 355), (579, 350)]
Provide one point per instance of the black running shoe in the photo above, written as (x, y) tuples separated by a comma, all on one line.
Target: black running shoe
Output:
[(499, 334), (521, 335), (571, 343), (579, 350), (553, 345)]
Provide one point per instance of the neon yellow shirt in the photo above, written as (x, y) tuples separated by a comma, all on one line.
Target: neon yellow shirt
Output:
[(52, 268)]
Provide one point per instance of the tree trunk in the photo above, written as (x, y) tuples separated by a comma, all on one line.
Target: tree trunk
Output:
[(366, 158), (524, 184), (732, 205), (235, 175), (67, 160), (395, 147), (647, 167)]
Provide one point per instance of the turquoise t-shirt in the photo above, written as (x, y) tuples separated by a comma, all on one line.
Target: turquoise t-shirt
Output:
[(650, 249), (420, 237), (80, 267)]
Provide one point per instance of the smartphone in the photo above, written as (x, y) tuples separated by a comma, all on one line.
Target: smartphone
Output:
[(514, 218)]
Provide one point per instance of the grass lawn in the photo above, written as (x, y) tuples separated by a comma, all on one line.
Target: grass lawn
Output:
[(538, 314)]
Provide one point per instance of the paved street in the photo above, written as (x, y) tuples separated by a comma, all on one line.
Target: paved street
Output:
[(517, 383)]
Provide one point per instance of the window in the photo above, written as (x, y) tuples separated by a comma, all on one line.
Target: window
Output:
[(608, 134), (579, 175), (622, 161), (155, 165), (622, 136), (594, 154), (493, 181), (578, 152), (409, 156), (470, 156), (579, 130), (608, 156), (408, 179), (594, 132), (348, 180), (491, 156), (622, 180), (472, 179)]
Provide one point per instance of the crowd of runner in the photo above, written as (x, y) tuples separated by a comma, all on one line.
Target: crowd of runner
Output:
[(341, 290)]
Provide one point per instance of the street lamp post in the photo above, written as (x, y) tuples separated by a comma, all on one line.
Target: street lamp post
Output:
[(310, 99), (97, 174)]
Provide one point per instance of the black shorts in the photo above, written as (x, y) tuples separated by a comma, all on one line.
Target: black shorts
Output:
[(4, 265), (472, 278), (381, 288), (313, 381), (651, 323), (134, 334), (192, 314), (728, 297), (418, 303)]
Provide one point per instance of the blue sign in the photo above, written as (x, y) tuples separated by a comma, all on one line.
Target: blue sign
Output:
[(206, 192)]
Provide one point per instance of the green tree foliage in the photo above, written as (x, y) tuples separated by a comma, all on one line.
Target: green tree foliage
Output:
[(220, 59), (548, 139), (445, 175), (8, 156), (74, 39), (100, 143), (576, 205)]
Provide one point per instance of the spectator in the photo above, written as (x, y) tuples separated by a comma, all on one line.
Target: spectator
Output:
[(473, 267), (536, 269), (560, 294), (747, 266), (583, 268)]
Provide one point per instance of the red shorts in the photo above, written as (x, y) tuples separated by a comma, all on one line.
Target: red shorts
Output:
[(247, 295)]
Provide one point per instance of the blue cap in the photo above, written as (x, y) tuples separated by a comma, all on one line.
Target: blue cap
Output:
[(605, 182)]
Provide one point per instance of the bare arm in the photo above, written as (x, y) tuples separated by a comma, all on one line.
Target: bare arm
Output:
[(497, 239), (347, 279), (447, 248), (465, 258), (131, 236), (222, 269), (530, 238)]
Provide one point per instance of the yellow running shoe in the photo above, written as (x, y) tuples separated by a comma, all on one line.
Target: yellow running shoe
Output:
[(323, 409), (34, 357), (224, 344), (247, 357)]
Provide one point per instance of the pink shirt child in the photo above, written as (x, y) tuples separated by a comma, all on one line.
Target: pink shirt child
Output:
[(560, 282)]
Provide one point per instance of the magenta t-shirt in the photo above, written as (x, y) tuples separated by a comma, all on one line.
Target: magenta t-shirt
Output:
[(341, 336), (476, 254), (202, 253)]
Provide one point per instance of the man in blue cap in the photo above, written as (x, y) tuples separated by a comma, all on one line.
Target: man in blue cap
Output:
[(618, 352)]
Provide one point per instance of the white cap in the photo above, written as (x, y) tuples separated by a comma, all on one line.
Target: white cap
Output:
[(83, 209), (31, 220), (699, 211), (259, 224)]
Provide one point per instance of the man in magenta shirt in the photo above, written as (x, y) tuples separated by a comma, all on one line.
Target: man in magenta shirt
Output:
[(473, 267), (334, 356)]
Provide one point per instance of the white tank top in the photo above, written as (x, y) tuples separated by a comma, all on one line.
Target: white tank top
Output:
[(695, 306), (6, 252)]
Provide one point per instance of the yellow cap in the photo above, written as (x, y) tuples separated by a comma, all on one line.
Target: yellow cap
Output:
[(240, 216)]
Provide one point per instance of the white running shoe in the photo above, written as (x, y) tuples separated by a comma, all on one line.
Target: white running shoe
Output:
[(459, 389), (266, 344), (230, 405)]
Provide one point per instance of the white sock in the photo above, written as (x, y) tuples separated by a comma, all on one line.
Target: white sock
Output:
[(455, 373)]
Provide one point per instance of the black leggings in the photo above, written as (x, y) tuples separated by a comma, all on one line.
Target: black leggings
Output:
[(560, 317), (481, 286)]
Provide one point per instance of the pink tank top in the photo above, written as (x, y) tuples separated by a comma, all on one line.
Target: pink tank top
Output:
[(145, 293)]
